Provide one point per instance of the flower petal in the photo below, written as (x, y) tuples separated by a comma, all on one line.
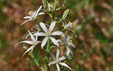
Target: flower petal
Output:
[(58, 40), (44, 42), (27, 17), (63, 64), (67, 51), (62, 58), (57, 33), (72, 45), (43, 26), (39, 34), (52, 62), (52, 55), (71, 52), (52, 25), (39, 9), (32, 37), (26, 21), (31, 48), (57, 53), (67, 38), (41, 13), (28, 42), (54, 41), (58, 68)]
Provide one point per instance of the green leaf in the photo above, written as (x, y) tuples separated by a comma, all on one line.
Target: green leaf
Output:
[(44, 3), (66, 12)]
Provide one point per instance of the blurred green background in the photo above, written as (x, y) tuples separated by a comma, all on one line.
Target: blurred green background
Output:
[(92, 22)]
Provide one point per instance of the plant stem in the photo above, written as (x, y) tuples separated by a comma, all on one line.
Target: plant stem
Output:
[(49, 41), (47, 55), (54, 10)]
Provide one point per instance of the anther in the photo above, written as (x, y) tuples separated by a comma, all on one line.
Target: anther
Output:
[(30, 12)]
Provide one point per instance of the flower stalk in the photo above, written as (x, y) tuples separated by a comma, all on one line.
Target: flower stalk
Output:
[(49, 41)]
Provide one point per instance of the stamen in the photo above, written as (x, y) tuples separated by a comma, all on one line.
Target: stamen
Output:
[(70, 24), (70, 41), (30, 12), (48, 32), (36, 25)]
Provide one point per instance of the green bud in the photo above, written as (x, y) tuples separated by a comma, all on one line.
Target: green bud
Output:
[(66, 12), (44, 3)]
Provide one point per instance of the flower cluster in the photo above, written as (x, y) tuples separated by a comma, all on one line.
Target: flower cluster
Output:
[(49, 34)]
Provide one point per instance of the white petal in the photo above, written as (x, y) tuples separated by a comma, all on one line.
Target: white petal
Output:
[(74, 33), (28, 42), (72, 45), (57, 53), (58, 40), (41, 13), (63, 58), (32, 37), (26, 21), (52, 25), (39, 34), (52, 55), (44, 42), (43, 26), (52, 62), (67, 38), (63, 64), (39, 9), (27, 17), (57, 33), (58, 68), (67, 51), (29, 49), (54, 41), (67, 25), (71, 52)]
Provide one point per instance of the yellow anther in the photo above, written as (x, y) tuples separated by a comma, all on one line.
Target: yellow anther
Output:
[(30, 12), (70, 24), (70, 41), (37, 25)]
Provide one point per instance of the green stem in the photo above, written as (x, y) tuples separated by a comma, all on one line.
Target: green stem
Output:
[(47, 55), (38, 64), (54, 10), (49, 41)]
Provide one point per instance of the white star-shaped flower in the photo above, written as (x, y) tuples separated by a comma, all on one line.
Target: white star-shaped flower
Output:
[(48, 33), (33, 15), (68, 43), (33, 42), (58, 60)]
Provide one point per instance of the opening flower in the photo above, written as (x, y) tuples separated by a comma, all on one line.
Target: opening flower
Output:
[(58, 60), (68, 26), (33, 15), (48, 33), (68, 43), (33, 42)]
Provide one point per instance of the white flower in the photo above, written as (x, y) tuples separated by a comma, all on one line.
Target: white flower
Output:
[(33, 42), (68, 43), (58, 60), (68, 26), (48, 33), (33, 15)]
